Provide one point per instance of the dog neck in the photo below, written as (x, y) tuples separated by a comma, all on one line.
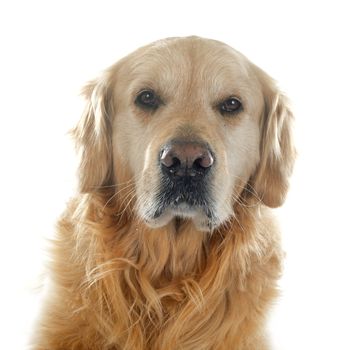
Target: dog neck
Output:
[(176, 251)]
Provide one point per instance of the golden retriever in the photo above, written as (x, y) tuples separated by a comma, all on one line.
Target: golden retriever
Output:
[(169, 243)]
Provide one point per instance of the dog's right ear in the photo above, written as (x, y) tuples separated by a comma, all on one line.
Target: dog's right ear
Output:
[(93, 135)]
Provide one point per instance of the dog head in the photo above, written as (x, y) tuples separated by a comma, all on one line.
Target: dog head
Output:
[(189, 124)]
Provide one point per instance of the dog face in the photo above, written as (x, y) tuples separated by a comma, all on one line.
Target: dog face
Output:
[(189, 124)]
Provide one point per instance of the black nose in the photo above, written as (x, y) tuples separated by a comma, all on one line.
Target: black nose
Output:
[(186, 158)]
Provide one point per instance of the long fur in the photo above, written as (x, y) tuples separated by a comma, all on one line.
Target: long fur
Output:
[(119, 284)]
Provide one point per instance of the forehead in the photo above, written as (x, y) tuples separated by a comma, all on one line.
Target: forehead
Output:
[(190, 65)]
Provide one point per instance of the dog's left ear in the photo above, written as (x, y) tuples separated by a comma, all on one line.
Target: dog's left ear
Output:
[(93, 135), (277, 152)]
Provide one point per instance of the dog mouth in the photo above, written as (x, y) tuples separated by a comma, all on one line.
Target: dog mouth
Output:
[(184, 194), (182, 205), (185, 199)]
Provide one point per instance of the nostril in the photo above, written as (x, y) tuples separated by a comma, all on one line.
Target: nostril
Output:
[(175, 165), (198, 164), (205, 161), (169, 160)]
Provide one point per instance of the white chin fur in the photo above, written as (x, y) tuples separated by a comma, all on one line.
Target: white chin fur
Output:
[(200, 220)]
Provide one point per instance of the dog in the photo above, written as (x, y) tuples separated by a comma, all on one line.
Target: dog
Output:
[(170, 242)]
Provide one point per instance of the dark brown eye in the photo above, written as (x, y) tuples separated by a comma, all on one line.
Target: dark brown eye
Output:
[(147, 99), (230, 106)]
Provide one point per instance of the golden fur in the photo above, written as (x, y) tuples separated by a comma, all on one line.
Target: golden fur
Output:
[(122, 280)]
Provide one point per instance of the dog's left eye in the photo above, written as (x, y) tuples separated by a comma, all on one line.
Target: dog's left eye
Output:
[(147, 99), (230, 106)]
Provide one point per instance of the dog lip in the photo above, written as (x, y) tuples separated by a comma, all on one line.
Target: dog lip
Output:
[(183, 207), (160, 210), (178, 205)]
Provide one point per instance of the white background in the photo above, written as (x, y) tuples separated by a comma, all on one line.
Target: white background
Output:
[(49, 49)]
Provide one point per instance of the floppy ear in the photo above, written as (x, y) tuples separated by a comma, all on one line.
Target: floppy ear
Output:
[(93, 136), (277, 152)]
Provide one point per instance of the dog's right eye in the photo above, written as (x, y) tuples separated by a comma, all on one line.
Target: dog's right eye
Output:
[(147, 99)]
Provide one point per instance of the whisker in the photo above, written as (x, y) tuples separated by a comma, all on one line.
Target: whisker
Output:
[(128, 187), (121, 214)]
